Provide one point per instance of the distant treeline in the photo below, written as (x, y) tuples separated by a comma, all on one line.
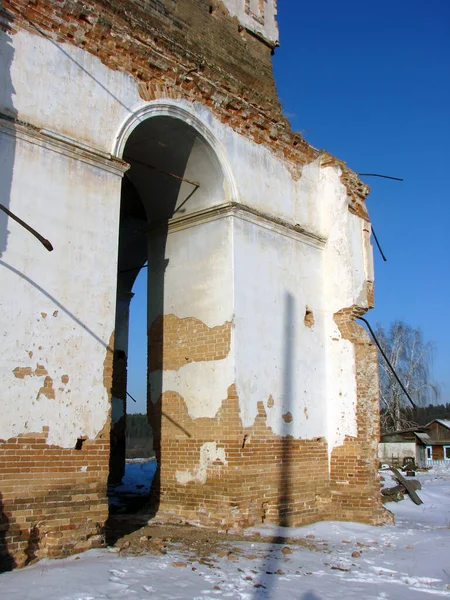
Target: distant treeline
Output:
[(139, 437), (424, 414)]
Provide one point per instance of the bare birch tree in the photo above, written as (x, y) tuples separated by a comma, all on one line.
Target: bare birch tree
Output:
[(412, 360)]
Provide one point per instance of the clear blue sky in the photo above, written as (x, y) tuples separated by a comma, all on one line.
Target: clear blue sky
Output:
[(370, 82)]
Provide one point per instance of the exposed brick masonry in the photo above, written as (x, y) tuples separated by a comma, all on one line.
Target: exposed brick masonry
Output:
[(174, 342), (54, 499), (355, 486), (266, 478)]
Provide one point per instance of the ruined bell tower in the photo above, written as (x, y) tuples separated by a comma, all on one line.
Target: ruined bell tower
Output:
[(151, 133)]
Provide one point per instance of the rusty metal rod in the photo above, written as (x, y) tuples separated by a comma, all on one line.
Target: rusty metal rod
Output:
[(379, 175), (128, 394), (37, 235), (383, 354), (378, 245), (168, 418), (143, 164)]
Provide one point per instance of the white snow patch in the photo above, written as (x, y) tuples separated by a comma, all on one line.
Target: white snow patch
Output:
[(405, 561)]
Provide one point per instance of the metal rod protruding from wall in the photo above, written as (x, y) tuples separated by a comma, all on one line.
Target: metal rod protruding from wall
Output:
[(378, 175), (387, 360), (37, 235), (163, 171), (378, 244)]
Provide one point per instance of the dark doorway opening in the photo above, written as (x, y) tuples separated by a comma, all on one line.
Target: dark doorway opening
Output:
[(173, 172)]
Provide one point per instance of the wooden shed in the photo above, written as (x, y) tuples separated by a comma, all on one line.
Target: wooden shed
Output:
[(433, 443)]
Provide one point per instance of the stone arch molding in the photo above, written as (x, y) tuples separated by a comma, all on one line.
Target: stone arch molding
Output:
[(171, 109)]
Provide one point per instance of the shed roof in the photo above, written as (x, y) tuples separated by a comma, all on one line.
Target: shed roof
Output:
[(424, 438), (428, 441)]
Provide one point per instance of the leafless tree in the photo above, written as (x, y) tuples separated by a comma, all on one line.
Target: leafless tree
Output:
[(412, 359)]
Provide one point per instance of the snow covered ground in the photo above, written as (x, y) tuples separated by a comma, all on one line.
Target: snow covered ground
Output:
[(139, 473), (410, 560)]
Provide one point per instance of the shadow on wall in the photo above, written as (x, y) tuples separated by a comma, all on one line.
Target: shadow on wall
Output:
[(7, 562), (7, 153), (31, 550), (56, 303), (7, 144), (274, 557)]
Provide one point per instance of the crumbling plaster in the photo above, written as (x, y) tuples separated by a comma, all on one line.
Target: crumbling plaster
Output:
[(346, 273), (325, 280), (198, 283), (60, 312), (209, 454)]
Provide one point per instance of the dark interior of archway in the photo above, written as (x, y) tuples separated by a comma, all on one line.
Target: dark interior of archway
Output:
[(158, 152)]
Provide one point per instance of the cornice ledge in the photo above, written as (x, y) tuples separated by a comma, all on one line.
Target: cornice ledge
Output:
[(62, 144), (246, 213)]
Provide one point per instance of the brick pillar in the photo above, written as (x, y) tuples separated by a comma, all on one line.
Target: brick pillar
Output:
[(355, 487), (119, 389)]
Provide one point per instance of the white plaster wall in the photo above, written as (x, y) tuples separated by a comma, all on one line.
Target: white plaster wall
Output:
[(88, 102), (198, 273), (76, 207), (397, 450), (203, 168), (266, 184), (345, 274), (198, 283), (269, 267), (368, 251), (65, 89), (91, 103), (276, 278)]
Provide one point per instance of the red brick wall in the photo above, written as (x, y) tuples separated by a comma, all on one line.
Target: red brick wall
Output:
[(54, 499), (266, 478), (175, 342), (355, 488)]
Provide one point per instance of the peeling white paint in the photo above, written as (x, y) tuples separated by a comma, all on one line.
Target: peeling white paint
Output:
[(346, 274), (202, 385), (76, 206), (227, 269), (209, 453)]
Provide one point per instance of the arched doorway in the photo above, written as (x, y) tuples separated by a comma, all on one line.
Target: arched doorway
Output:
[(174, 175)]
